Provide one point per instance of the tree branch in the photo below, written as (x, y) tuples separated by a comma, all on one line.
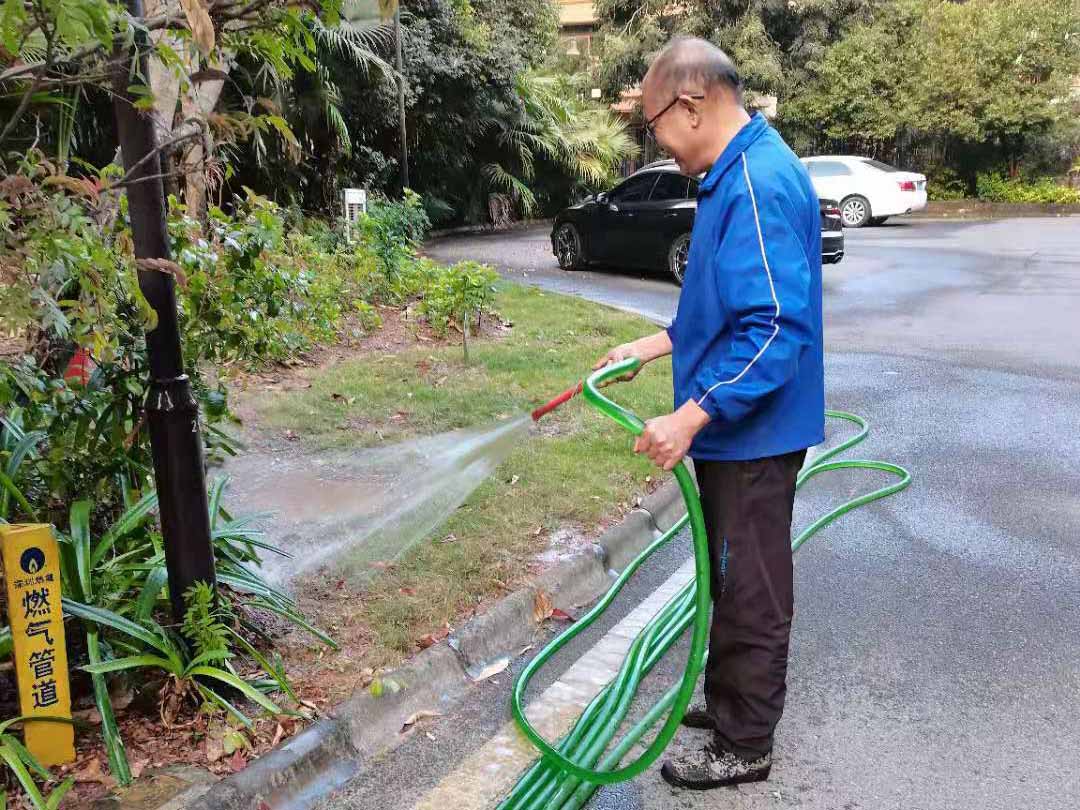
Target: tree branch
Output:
[(169, 144), (227, 11), (35, 85)]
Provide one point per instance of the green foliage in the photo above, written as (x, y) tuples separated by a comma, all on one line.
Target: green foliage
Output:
[(930, 83), (944, 183), (393, 230), (459, 294), (556, 129), (25, 767), (995, 187), (252, 295), (204, 622)]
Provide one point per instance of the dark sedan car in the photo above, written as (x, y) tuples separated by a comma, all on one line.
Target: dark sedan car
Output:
[(645, 223)]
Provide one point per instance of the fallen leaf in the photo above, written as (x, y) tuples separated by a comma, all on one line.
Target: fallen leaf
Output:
[(416, 717), (562, 615), (138, 766), (514, 480), (450, 538), (524, 650), (264, 806), (291, 435), (430, 736), (279, 735), (491, 670), (236, 762), (92, 772), (539, 531), (340, 584), (542, 607), (407, 591), (91, 716), (215, 748)]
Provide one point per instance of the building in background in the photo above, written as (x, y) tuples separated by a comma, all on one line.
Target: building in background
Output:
[(578, 25)]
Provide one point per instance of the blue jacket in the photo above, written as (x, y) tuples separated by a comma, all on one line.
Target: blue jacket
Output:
[(746, 340)]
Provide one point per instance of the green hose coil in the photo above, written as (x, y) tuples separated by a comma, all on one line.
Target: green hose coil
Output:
[(567, 775)]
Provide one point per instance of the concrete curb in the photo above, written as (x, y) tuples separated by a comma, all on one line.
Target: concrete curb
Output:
[(323, 757), (467, 230)]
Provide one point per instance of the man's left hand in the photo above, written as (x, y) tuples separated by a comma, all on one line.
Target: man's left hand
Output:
[(667, 438)]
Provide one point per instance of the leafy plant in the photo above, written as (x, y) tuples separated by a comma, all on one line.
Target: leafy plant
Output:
[(996, 187), (25, 766), (461, 293), (190, 676), (393, 230)]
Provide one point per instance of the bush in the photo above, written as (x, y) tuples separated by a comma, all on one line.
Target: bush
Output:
[(944, 183), (995, 187), (252, 295), (393, 230), (459, 293)]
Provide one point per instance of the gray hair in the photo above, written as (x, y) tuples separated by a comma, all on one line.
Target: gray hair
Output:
[(687, 62)]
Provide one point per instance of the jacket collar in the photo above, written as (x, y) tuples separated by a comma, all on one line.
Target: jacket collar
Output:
[(750, 132)]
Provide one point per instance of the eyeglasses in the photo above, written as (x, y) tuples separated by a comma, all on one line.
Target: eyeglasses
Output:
[(650, 125)]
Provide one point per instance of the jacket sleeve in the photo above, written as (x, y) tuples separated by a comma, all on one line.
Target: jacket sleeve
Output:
[(763, 278)]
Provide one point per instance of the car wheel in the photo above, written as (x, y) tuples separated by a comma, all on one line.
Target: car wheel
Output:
[(678, 254), (855, 211), (875, 221), (568, 248)]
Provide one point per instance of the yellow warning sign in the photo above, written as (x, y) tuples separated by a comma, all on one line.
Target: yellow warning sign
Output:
[(32, 570)]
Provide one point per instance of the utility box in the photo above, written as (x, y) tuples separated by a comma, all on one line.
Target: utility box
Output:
[(354, 204)]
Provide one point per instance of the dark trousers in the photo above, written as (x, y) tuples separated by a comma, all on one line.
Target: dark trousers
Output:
[(747, 507)]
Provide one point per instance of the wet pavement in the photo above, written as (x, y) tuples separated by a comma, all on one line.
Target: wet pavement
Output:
[(935, 656)]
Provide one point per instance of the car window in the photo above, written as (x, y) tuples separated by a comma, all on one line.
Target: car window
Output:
[(670, 186), (635, 189), (827, 168), (877, 164)]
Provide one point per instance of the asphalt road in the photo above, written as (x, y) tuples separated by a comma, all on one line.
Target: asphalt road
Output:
[(936, 650)]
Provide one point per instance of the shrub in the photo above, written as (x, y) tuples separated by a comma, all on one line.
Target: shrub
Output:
[(944, 183), (995, 187), (392, 230), (461, 292), (251, 295)]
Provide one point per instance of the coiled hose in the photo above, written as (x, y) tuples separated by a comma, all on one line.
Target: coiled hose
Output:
[(567, 774)]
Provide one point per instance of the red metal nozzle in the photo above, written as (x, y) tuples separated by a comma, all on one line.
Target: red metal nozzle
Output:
[(565, 396)]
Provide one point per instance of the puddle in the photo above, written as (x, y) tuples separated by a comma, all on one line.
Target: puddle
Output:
[(346, 511)]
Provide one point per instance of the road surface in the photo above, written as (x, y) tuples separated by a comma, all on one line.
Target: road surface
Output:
[(936, 651)]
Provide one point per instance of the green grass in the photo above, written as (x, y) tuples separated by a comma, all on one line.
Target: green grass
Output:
[(576, 472)]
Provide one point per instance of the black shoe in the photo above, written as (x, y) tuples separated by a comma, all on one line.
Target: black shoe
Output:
[(698, 716), (712, 767)]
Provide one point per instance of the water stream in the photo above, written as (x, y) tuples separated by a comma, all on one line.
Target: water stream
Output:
[(348, 510)]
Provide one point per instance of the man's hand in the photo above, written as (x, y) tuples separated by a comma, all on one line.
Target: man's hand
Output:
[(617, 355), (667, 439), (645, 349)]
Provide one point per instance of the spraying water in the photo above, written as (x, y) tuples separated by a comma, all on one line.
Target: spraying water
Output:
[(348, 511)]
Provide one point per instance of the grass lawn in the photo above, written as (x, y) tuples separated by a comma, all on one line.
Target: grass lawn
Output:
[(572, 475)]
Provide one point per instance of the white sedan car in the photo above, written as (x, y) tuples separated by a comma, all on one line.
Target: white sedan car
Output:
[(869, 191)]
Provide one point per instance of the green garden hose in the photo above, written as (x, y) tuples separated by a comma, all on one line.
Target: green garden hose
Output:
[(566, 775)]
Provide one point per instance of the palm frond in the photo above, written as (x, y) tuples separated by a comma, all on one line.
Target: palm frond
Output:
[(499, 178), (355, 42)]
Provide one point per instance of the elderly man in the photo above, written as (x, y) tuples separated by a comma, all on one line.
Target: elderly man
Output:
[(747, 361)]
